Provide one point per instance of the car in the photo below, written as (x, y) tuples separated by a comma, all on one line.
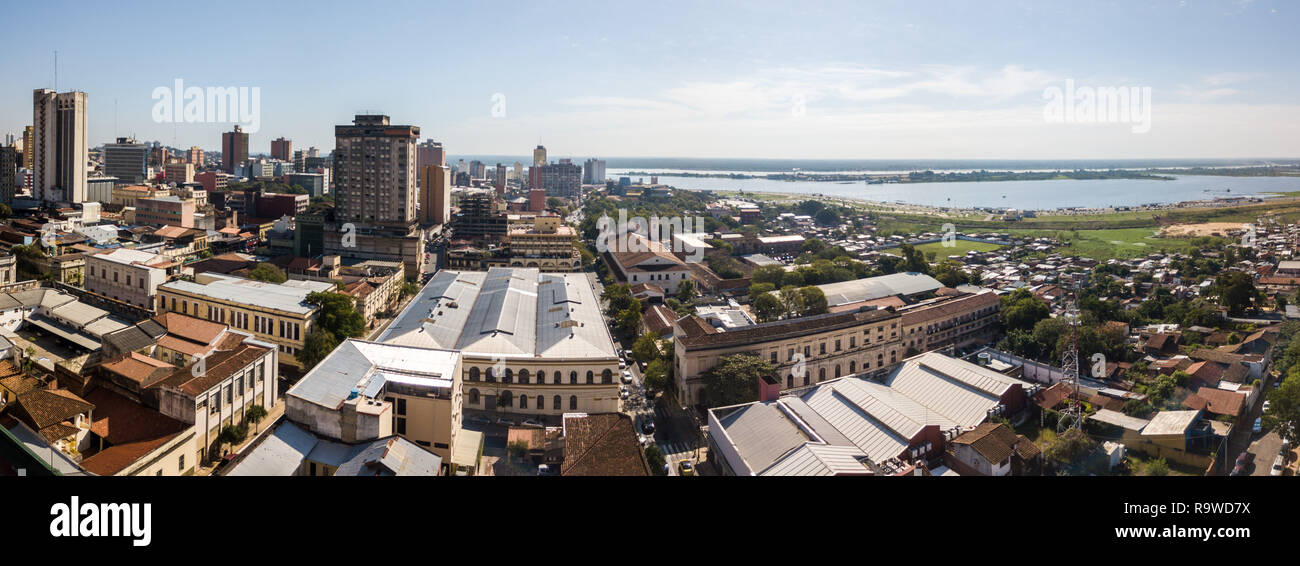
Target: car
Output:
[(480, 419), (533, 423), (627, 376), (1259, 425), (685, 468), (622, 392), (1239, 470), (1245, 458), (505, 422), (1266, 404), (622, 364), (647, 425), (1277, 466)]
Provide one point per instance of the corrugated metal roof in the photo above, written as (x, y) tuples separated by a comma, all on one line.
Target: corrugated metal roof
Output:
[(367, 366), (961, 391), (1119, 419), (1170, 423), (819, 460), (761, 434), (872, 288)]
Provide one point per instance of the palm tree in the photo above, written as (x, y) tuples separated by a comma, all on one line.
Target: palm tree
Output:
[(255, 413)]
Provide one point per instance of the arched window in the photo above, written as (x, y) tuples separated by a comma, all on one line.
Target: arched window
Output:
[(473, 374), (555, 403), (488, 375), (607, 376), (541, 376), (789, 381), (541, 403), (853, 366), (573, 377), (573, 402), (523, 376), (523, 401), (821, 374), (805, 379), (505, 400), (509, 377), (473, 396), (837, 370), (591, 377)]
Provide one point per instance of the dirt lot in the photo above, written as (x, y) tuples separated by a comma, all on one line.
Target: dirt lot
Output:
[(1203, 229)]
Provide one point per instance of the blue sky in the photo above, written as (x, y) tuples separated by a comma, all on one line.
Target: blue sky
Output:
[(703, 79)]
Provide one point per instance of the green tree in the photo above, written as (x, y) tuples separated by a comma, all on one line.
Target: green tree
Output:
[(1283, 413), (1235, 290), (267, 272), (655, 459), (658, 375), (318, 345), (255, 414), (1156, 467), (645, 348), (827, 217), (812, 301), (735, 380), (768, 274), (337, 314), (1071, 446), (629, 319), (1022, 310), (767, 307), (686, 291)]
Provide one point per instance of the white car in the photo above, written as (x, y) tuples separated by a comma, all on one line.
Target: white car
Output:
[(1266, 404), (627, 376), (533, 423), (1277, 466), (622, 392), (1259, 425)]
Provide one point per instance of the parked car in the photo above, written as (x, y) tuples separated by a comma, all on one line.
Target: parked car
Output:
[(685, 468), (505, 422), (622, 392), (533, 423), (647, 425), (480, 419), (1245, 458), (1266, 404), (1259, 425), (1277, 466), (627, 376), (622, 364)]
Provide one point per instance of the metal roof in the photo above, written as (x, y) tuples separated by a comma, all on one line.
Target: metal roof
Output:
[(819, 460), (284, 450), (283, 297), (872, 288), (959, 390), (1119, 419), (1171, 422), (761, 434), (367, 366), (507, 312)]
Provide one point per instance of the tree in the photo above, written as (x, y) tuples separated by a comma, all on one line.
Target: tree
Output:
[(827, 217), (318, 345), (267, 272), (655, 459), (409, 289), (950, 275), (658, 375), (629, 319), (1071, 446), (1157, 467), (735, 380), (1283, 413), (686, 291), (1235, 290), (233, 434), (767, 307), (768, 274), (338, 314), (790, 300), (255, 414), (618, 297), (517, 449), (812, 301), (645, 348), (1022, 310)]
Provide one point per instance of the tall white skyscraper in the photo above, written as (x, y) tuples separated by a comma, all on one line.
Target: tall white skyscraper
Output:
[(60, 143)]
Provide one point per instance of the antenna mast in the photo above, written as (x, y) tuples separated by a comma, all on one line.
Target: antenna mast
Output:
[(1072, 417)]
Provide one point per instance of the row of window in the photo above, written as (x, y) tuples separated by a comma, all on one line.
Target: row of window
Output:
[(606, 376), (507, 399)]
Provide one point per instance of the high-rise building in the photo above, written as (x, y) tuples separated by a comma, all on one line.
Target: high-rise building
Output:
[(430, 153), (563, 179), (59, 143), (179, 173), (195, 157), (435, 194), (127, 160), (281, 149), (593, 172), (375, 193), (499, 180), (10, 159), (29, 146), (234, 149), (161, 155), (517, 173), (539, 156)]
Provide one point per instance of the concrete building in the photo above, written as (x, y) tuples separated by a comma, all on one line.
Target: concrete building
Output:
[(127, 160), (365, 391), (532, 343), (195, 157), (435, 194), (127, 275), (60, 145), (561, 179), (282, 149), (547, 245), (274, 313), (178, 173), (593, 172), (169, 211), (314, 183), (234, 149), (10, 158), (952, 320), (376, 200), (290, 450), (539, 156), (804, 351)]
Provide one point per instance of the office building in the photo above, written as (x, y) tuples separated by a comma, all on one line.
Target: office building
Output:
[(234, 149), (499, 179), (563, 179), (168, 211), (10, 158), (593, 172), (282, 149), (539, 156), (430, 153), (195, 157), (376, 200), (127, 160), (29, 147), (435, 195), (179, 173), (314, 183), (59, 144)]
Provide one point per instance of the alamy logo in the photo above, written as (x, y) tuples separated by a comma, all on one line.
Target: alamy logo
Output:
[(1099, 105), (195, 105), (75, 519)]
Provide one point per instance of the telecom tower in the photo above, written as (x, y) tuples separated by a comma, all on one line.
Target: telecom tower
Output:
[(1072, 416)]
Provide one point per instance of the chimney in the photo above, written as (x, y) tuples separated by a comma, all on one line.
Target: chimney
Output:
[(769, 388)]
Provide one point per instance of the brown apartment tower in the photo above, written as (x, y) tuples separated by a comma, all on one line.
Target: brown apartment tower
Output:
[(282, 149), (234, 149)]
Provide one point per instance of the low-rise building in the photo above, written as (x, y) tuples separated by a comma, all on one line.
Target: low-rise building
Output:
[(127, 275)]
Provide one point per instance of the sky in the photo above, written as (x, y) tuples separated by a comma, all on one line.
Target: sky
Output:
[(851, 80)]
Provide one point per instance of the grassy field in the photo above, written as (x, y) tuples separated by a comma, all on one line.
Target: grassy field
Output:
[(960, 247), (1113, 244)]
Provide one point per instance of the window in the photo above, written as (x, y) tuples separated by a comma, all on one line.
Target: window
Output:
[(555, 403), (181, 467), (853, 341), (509, 377), (789, 381), (822, 349), (401, 425), (573, 377), (473, 374), (607, 376), (473, 396), (401, 406), (774, 356), (523, 401), (573, 402), (837, 345), (523, 376), (591, 377), (821, 374)]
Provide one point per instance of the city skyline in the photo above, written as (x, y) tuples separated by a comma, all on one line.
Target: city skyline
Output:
[(835, 81)]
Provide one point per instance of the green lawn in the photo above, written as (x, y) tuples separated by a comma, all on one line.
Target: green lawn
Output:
[(1121, 243), (960, 247)]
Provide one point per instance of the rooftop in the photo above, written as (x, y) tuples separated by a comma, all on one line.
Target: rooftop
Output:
[(367, 366), (289, 296)]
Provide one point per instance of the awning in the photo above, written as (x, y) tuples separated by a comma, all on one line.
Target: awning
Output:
[(58, 330), (468, 445)]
